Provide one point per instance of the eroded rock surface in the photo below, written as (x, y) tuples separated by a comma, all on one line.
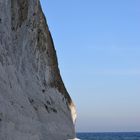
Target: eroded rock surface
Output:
[(34, 103)]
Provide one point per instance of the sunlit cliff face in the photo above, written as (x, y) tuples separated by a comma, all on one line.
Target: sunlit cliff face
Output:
[(73, 112)]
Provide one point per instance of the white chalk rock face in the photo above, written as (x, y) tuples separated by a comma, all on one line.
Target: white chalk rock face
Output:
[(34, 103)]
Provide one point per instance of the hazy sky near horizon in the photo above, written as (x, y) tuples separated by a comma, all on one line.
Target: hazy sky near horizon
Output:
[(98, 48)]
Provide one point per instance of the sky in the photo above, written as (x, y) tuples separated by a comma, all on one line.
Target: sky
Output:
[(98, 49)]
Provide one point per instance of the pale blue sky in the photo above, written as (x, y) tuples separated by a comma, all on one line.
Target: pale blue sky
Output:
[(98, 48)]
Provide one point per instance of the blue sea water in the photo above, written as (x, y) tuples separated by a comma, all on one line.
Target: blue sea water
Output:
[(109, 136)]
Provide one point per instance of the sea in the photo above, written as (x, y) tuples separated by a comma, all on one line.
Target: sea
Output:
[(109, 136)]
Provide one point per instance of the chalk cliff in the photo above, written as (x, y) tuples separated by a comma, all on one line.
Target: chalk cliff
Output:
[(34, 103)]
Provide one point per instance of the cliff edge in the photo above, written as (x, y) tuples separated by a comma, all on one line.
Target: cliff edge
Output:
[(34, 103)]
